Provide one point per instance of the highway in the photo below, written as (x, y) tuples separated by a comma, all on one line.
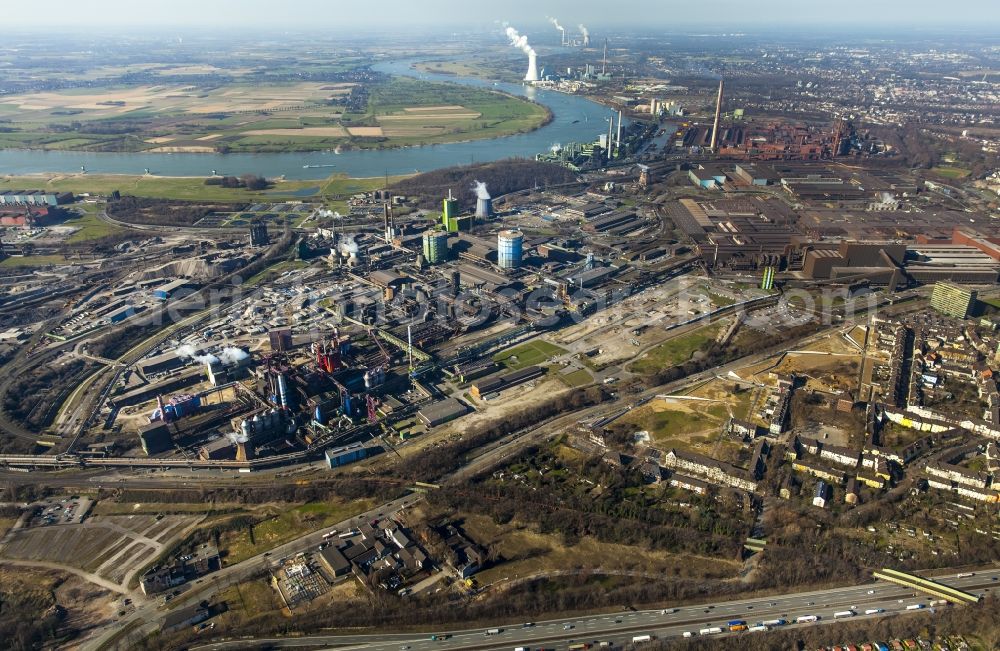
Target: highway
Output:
[(619, 628)]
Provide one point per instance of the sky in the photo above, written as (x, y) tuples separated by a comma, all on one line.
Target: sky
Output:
[(398, 14)]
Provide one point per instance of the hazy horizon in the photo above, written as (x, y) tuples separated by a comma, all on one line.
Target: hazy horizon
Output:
[(313, 15)]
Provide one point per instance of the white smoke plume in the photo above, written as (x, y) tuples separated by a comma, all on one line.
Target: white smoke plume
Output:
[(188, 351), (584, 31), (519, 41), (238, 437), (233, 355), (555, 148), (348, 246), (480, 189), (555, 23)]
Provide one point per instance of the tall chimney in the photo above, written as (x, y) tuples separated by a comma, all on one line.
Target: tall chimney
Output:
[(715, 125), (604, 67), (618, 140)]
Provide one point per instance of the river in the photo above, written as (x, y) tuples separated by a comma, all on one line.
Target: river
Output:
[(575, 119)]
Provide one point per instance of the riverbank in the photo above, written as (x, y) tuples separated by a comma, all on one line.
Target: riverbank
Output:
[(569, 118)]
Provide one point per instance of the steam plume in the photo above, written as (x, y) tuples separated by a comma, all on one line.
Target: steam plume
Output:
[(188, 351), (584, 31), (520, 42), (480, 189), (562, 30), (233, 355)]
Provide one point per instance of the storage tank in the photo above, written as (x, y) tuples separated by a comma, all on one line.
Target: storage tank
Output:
[(435, 246), (510, 244), (246, 428)]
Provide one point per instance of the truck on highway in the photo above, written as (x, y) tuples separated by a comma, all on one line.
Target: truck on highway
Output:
[(736, 622), (915, 607), (642, 638), (806, 619), (773, 622), (493, 631), (843, 613), (758, 627), (874, 611), (712, 630)]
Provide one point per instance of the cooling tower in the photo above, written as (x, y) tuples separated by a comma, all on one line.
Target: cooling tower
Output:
[(532, 67), (484, 208)]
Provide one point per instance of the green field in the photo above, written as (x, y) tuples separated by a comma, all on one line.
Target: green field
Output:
[(529, 354), (578, 378), (192, 188), (951, 172), (34, 261), (236, 546), (675, 351)]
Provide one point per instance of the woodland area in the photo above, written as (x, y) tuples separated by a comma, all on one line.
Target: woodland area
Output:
[(427, 189)]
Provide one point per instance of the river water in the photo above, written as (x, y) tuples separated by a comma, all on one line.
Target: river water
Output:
[(575, 119)]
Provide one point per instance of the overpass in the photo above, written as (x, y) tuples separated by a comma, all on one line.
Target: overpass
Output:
[(933, 588)]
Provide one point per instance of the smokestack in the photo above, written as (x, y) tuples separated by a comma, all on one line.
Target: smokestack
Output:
[(604, 67), (618, 140), (562, 31), (718, 115), (610, 142)]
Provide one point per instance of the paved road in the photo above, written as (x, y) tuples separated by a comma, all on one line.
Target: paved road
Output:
[(619, 628)]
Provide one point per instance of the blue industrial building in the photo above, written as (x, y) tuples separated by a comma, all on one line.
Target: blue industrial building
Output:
[(337, 457)]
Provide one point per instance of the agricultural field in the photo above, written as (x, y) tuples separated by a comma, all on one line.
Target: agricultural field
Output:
[(242, 117)]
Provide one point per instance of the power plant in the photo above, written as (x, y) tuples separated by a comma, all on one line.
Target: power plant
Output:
[(586, 35), (521, 42)]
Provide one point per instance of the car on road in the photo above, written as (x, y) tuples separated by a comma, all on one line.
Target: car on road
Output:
[(568, 627), (405, 647), (527, 624), (871, 592)]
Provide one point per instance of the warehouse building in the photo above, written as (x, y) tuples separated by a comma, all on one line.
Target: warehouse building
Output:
[(442, 412), (496, 384), (35, 198)]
